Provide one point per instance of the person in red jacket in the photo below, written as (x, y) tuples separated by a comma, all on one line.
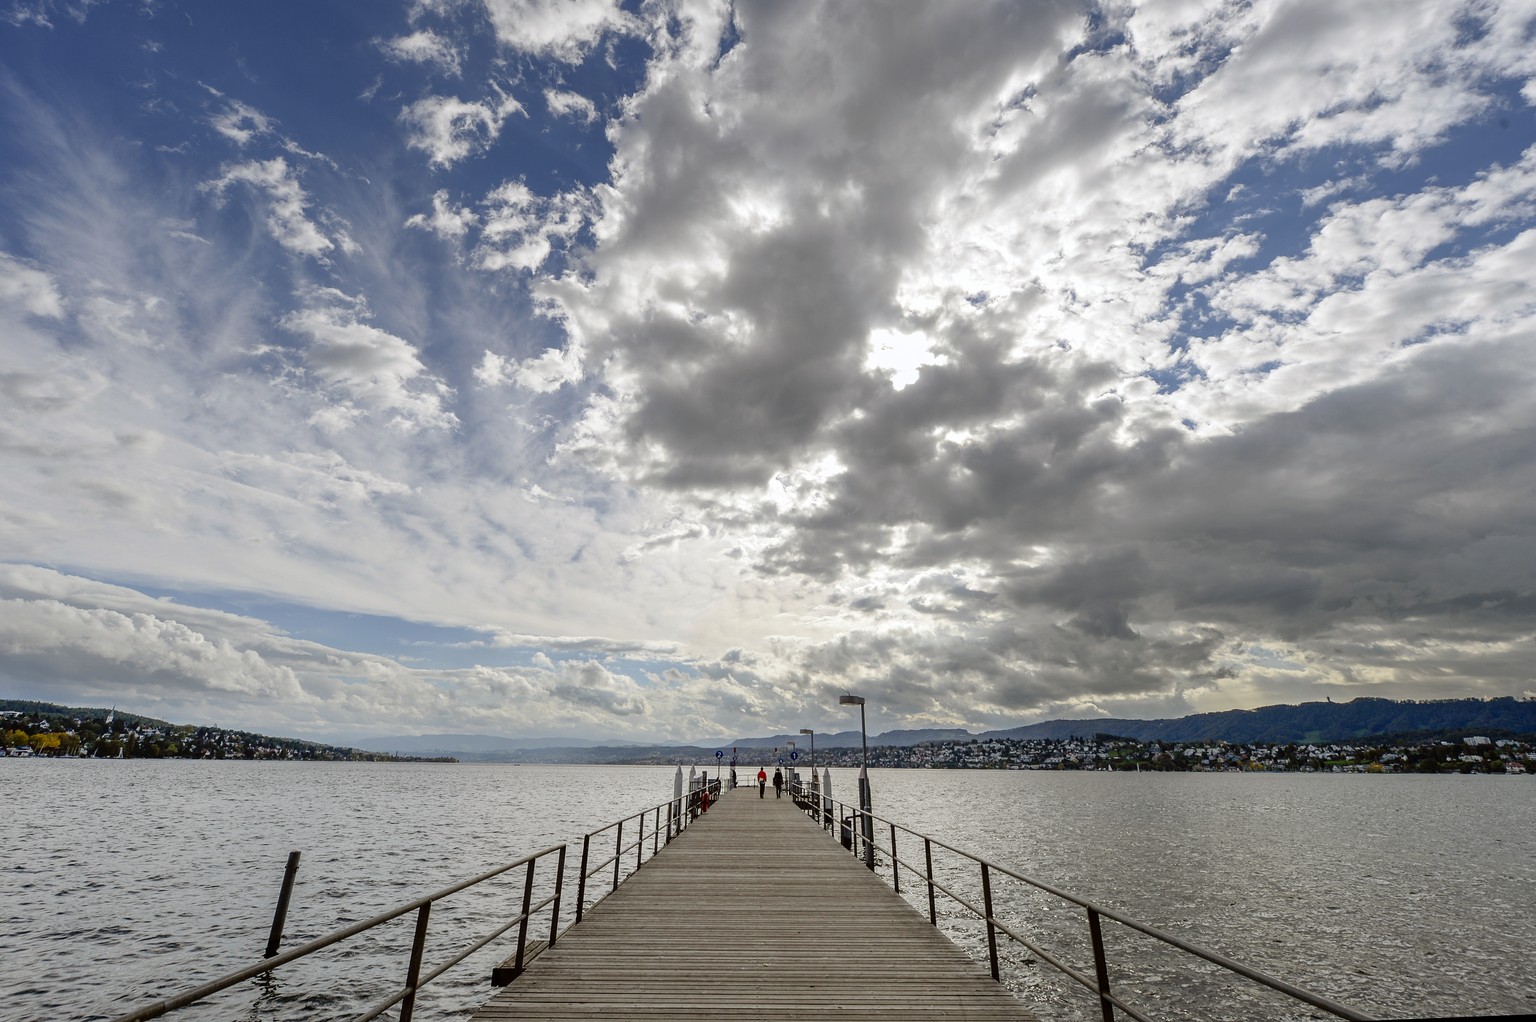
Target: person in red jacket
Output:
[(762, 781)]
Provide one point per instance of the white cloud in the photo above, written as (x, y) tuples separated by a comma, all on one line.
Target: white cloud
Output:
[(376, 370), (286, 219), (320, 478), (42, 12), (521, 229), (240, 123), (562, 29), (447, 220), (450, 129), (570, 104), (426, 47), (29, 289), (152, 652), (544, 373), (1297, 75)]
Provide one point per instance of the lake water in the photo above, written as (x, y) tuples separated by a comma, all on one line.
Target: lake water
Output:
[(125, 881)]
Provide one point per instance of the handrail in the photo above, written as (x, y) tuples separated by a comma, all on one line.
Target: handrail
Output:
[(681, 810), (406, 996), (1099, 981)]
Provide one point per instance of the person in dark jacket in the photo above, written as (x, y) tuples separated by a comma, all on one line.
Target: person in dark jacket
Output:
[(778, 783)]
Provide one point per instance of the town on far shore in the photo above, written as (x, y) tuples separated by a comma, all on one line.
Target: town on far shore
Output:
[(126, 736), (1474, 754), (51, 734)]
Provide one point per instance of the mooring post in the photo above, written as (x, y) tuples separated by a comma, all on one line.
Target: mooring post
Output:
[(1100, 967), (281, 915), (413, 970), (986, 902)]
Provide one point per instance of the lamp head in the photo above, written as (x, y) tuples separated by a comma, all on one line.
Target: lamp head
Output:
[(848, 700), (806, 731)]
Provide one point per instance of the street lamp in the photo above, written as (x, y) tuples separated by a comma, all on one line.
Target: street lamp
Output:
[(866, 806), (814, 786)]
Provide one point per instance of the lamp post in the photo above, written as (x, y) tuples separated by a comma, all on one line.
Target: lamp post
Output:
[(789, 774), (815, 787), (866, 806)]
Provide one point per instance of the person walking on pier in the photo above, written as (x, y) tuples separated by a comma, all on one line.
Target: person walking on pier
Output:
[(762, 781), (778, 783)]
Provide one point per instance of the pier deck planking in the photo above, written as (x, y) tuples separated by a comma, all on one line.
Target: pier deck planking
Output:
[(753, 913)]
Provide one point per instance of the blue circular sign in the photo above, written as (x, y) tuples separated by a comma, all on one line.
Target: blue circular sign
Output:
[(794, 754), (718, 754), (781, 761)]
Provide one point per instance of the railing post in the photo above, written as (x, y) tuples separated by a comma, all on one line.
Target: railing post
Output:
[(554, 912), (618, 844), (413, 971), (640, 844), (1106, 1008), (986, 900), (895, 865), (656, 832), (933, 913), (581, 882), (669, 823), (281, 915), (522, 927)]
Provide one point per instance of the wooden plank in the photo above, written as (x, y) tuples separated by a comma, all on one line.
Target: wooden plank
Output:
[(753, 913)]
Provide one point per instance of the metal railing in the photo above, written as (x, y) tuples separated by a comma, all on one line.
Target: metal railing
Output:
[(414, 977), (680, 811), (827, 810)]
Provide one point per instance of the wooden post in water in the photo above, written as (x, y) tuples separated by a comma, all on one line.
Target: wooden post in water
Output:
[(281, 915), (413, 971)]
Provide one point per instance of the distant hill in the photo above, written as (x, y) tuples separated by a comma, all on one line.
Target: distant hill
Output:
[(1364, 717)]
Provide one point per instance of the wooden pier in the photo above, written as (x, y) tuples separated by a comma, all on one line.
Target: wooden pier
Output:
[(753, 913)]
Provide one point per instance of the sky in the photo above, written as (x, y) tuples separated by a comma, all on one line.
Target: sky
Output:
[(659, 371)]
